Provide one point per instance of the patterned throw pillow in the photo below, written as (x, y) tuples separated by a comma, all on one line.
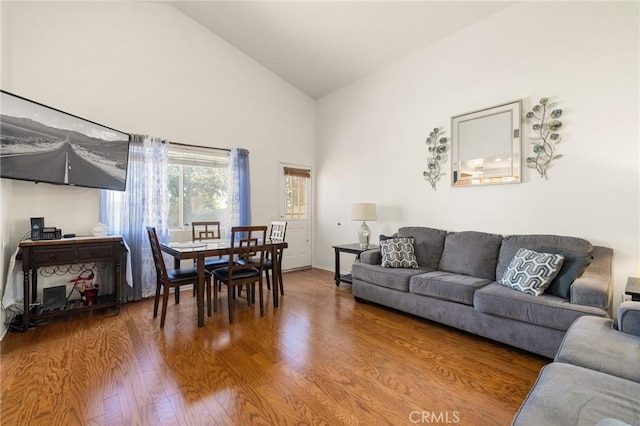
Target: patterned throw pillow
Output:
[(398, 253), (531, 272)]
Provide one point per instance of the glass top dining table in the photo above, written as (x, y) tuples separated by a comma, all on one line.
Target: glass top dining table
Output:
[(211, 248)]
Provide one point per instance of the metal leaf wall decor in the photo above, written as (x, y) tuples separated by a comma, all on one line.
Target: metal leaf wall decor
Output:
[(546, 135), (437, 146)]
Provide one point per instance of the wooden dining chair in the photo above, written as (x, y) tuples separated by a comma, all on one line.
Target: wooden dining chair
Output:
[(208, 230), (165, 280), (247, 242), (276, 235)]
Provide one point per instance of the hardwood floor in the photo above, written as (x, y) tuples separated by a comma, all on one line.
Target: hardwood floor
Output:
[(320, 358)]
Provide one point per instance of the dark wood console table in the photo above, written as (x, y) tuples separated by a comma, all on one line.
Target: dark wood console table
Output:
[(348, 248), (69, 251)]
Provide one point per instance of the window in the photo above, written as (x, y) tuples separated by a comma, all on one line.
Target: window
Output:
[(198, 184), (296, 181)]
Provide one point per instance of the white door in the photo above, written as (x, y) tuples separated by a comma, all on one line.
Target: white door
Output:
[(295, 209)]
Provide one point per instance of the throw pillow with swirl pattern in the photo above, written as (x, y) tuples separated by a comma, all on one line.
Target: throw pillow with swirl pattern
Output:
[(398, 253), (531, 272)]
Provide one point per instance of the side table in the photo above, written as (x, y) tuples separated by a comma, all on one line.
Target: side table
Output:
[(352, 249), (69, 251), (633, 288)]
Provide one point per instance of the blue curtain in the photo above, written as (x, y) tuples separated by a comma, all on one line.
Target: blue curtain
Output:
[(145, 202), (240, 189)]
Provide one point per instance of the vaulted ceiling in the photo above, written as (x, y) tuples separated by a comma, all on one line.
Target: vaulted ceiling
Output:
[(321, 46)]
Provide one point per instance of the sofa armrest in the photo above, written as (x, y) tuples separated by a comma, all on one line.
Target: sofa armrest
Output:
[(371, 257), (593, 288), (629, 318)]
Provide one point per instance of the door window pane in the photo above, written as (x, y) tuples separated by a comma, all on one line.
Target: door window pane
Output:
[(296, 197)]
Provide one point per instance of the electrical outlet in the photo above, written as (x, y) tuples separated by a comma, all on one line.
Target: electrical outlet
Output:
[(626, 298)]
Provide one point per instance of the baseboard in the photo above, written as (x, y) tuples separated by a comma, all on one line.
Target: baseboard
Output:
[(303, 268), (325, 268)]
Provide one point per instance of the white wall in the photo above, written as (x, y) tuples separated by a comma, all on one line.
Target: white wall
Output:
[(370, 135), (144, 67)]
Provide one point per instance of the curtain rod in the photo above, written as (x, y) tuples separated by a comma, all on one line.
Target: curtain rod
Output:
[(197, 146)]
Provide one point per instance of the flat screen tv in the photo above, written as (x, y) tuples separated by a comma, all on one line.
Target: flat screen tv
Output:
[(43, 144)]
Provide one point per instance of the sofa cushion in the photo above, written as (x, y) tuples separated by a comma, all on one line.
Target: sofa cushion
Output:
[(531, 272), (447, 286), (511, 244), (372, 257), (394, 278), (595, 343), (568, 395), (546, 310), (573, 265), (593, 287), (428, 244), (471, 253), (398, 253)]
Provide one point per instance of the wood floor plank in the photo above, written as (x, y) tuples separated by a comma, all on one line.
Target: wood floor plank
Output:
[(96, 421), (192, 412), (113, 411), (319, 359), (165, 412), (148, 414)]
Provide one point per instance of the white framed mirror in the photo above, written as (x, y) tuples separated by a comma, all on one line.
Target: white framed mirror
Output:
[(486, 147)]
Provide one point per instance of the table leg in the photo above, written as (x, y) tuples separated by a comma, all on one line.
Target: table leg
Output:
[(200, 294), (34, 286), (118, 281), (337, 274), (275, 284), (25, 283)]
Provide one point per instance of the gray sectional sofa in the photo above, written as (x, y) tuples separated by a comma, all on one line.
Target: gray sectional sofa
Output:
[(455, 284), (595, 379)]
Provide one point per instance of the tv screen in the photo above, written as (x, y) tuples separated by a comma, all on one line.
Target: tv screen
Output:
[(43, 144)]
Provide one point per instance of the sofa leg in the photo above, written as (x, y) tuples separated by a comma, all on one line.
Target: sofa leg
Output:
[(360, 300)]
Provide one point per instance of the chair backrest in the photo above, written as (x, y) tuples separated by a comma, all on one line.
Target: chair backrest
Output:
[(247, 242), (161, 268), (278, 231), (205, 231)]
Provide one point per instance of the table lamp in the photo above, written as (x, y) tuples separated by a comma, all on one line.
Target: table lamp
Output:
[(363, 212)]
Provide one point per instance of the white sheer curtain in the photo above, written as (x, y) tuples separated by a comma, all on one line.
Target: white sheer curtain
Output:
[(239, 206), (144, 203)]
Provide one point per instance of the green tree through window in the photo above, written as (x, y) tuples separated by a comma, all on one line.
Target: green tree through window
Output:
[(198, 185)]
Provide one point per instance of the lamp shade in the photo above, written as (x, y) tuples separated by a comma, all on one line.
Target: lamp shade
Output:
[(363, 211)]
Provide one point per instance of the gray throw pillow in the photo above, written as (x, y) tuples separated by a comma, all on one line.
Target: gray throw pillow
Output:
[(471, 253), (428, 244), (573, 266), (531, 272), (398, 253)]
